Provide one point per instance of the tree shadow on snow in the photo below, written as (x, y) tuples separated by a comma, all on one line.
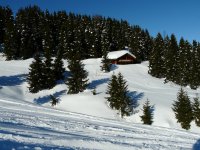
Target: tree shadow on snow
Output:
[(135, 96), (196, 146), (12, 80), (47, 99), (113, 67), (95, 83), (8, 144)]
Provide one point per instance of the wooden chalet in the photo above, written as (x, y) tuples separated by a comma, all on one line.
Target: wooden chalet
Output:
[(121, 57)]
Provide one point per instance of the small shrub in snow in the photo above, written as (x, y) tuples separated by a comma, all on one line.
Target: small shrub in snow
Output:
[(94, 92), (147, 117), (54, 100)]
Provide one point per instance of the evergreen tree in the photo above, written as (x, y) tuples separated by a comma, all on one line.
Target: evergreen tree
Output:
[(2, 25), (77, 81), (182, 63), (188, 59), (50, 80), (171, 59), (125, 102), (35, 76), (69, 27), (156, 61), (58, 66), (28, 27), (137, 43), (165, 53), (106, 64), (118, 96), (195, 67), (96, 30), (112, 91), (196, 111), (148, 46), (183, 109), (105, 49), (147, 117), (10, 36), (197, 61)]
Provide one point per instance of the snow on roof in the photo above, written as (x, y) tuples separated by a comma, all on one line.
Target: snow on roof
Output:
[(117, 54)]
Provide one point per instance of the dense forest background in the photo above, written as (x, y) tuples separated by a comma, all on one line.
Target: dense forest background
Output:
[(32, 30)]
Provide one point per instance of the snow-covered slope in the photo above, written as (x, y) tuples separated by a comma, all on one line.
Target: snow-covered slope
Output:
[(84, 121)]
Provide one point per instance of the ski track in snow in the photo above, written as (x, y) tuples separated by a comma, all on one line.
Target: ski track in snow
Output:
[(32, 125), (25, 124)]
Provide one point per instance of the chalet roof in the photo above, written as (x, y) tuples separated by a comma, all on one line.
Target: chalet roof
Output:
[(118, 54)]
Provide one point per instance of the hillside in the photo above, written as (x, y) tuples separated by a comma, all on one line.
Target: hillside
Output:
[(84, 121)]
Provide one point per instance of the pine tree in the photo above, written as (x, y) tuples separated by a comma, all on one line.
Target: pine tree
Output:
[(125, 102), (105, 49), (112, 91), (165, 53), (35, 76), (96, 30), (118, 96), (2, 25), (182, 63), (29, 31), (188, 59), (147, 117), (77, 82), (106, 64), (137, 43), (196, 111), (10, 36), (50, 79), (58, 66), (183, 109), (195, 67), (148, 45), (171, 59), (156, 61)]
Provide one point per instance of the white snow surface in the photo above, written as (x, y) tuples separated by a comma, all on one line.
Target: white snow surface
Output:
[(118, 54), (84, 121)]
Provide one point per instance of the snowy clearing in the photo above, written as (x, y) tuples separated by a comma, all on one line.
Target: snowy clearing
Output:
[(84, 121)]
